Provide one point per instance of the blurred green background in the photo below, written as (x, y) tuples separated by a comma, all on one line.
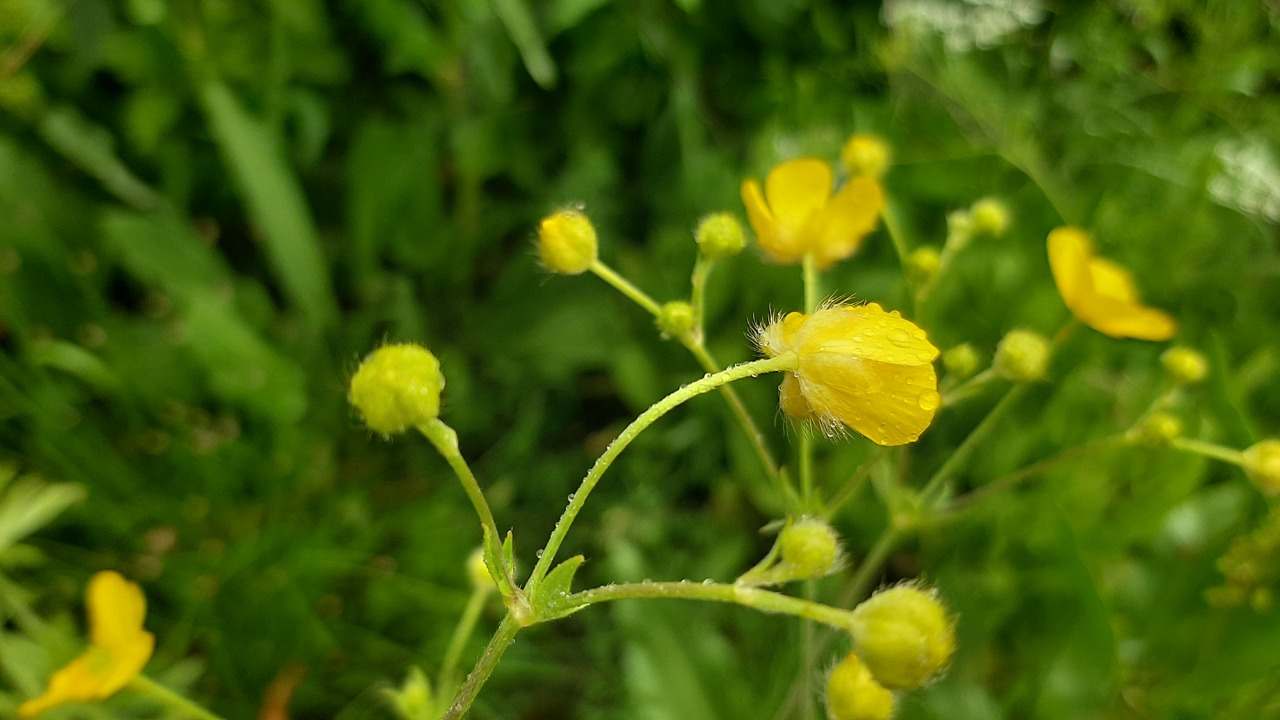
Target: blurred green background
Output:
[(210, 210)]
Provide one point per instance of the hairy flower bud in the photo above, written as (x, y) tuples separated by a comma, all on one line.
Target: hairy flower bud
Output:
[(810, 548), (961, 361), (904, 635), (1022, 356), (865, 155), (397, 387), (676, 319), (720, 236), (567, 242), (853, 694), (990, 217)]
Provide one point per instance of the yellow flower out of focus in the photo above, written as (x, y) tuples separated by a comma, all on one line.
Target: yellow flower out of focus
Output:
[(796, 213), (118, 649), (853, 694), (1100, 292), (858, 366)]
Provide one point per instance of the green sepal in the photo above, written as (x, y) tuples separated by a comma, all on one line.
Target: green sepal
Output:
[(551, 599), (498, 559)]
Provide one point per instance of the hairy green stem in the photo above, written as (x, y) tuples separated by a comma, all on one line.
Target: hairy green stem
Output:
[(498, 644), (648, 417), (445, 441), (765, 601)]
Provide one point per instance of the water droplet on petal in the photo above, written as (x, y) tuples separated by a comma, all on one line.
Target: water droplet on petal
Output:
[(900, 337), (929, 400)]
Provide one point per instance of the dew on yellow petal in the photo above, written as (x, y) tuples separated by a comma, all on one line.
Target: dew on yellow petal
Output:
[(888, 403)]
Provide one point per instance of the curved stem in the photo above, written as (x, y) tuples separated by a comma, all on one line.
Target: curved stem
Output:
[(498, 644), (765, 601), (624, 286), (461, 633), (620, 443), (445, 441), (144, 685)]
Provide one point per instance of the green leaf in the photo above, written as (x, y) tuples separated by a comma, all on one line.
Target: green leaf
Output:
[(276, 203), (31, 503), (494, 555), (551, 601)]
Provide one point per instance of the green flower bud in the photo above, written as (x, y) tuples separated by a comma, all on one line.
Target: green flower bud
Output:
[(1158, 428), (397, 387), (990, 217), (567, 242), (720, 236), (412, 700), (1184, 365), (1262, 465), (810, 548), (1022, 356), (904, 635), (865, 155), (961, 361), (676, 319), (923, 264), (853, 694)]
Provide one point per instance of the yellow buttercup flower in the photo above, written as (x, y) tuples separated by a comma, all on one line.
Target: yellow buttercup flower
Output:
[(796, 214), (857, 366), (1101, 293), (118, 647)]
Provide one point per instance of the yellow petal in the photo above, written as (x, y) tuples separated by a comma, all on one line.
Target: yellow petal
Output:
[(79, 681), (839, 227), (779, 246), (1130, 320), (116, 610), (890, 404), (865, 331), (791, 399), (796, 189), (1070, 250), (1110, 280)]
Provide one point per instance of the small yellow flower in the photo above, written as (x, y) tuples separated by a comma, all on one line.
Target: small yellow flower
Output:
[(859, 366), (118, 649), (1100, 292), (797, 214)]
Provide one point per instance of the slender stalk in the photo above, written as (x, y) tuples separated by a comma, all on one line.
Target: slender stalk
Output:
[(850, 487), (620, 443), (806, 469), (1008, 482), (445, 441), (1209, 450), (461, 633), (812, 288), (765, 601), (894, 229), (144, 685), (697, 296), (624, 286), (498, 644), (970, 387), (962, 453), (860, 584)]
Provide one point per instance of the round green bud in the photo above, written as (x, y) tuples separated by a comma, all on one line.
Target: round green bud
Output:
[(478, 572), (1022, 356), (720, 236), (923, 264), (904, 635), (961, 361), (989, 217), (397, 387), (567, 242), (853, 694), (676, 319), (810, 548), (865, 155), (1184, 365), (1262, 465), (1158, 428)]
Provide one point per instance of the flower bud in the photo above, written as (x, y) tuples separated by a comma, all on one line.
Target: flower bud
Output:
[(676, 319), (412, 700), (990, 217), (720, 236), (1158, 428), (853, 694), (1184, 365), (810, 548), (397, 387), (478, 572), (567, 242), (923, 264), (865, 155), (1262, 465), (1022, 356), (904, 635), (961, 361)]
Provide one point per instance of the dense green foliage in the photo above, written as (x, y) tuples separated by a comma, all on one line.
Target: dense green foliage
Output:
[(210, 210)]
